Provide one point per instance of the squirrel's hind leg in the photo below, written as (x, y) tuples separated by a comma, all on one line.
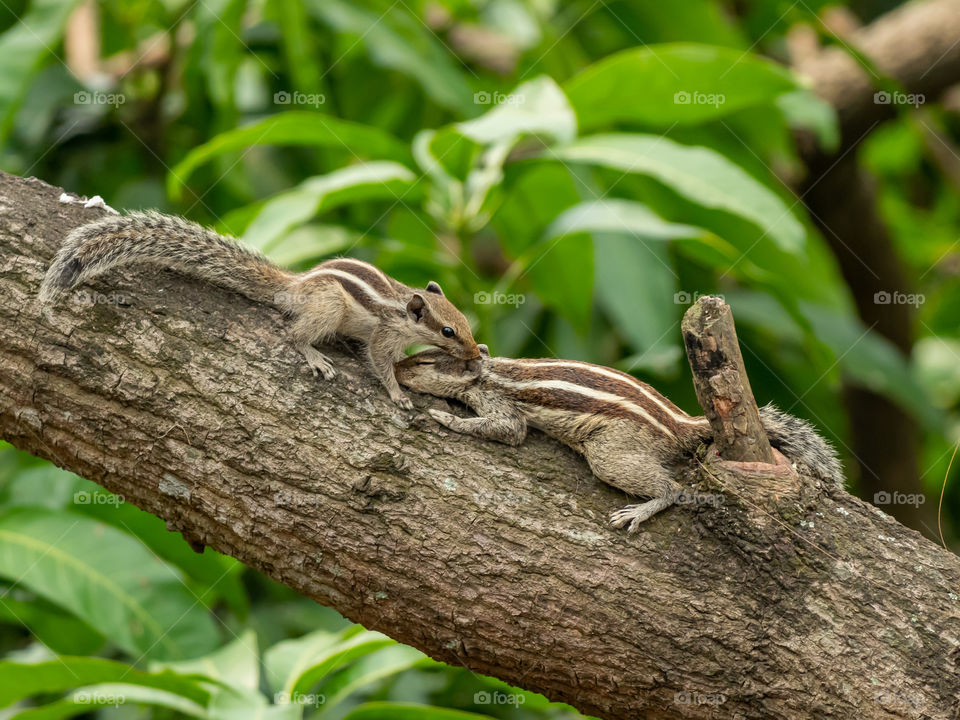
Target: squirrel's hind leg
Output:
[(633, 464), (318, 313), (632, 515)]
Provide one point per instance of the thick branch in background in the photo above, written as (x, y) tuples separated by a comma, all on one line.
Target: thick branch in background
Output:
[(917, 45), (789, 599)]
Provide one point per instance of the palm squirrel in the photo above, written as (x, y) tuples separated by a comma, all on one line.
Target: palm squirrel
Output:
[(343, 296), (626, 430)]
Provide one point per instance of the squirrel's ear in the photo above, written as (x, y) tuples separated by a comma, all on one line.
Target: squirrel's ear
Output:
[(484, 350), (417, 307), (432, 287)]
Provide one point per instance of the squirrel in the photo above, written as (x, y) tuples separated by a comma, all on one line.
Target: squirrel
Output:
[(626, 430), (342, 296)]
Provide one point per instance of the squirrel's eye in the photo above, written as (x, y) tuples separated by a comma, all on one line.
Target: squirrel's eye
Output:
[(448, 332)]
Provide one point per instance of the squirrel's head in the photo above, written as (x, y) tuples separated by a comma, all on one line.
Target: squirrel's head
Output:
[(440, 324), (437, 373)]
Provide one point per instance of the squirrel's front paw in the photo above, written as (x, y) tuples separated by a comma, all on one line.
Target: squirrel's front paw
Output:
[(402, 402), (444, 418), (318, 363)]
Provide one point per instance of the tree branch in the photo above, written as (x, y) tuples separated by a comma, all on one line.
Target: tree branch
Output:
[(721, 381), (787, 600), (917, 44)]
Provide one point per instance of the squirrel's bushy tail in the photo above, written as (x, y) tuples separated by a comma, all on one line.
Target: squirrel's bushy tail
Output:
[(164, 241), (801, 444)]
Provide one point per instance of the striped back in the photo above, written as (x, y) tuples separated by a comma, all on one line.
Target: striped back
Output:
[(370, 287), (587, 389)]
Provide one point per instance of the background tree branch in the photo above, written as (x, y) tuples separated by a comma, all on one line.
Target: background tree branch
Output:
[(916, 45), (774, 596)]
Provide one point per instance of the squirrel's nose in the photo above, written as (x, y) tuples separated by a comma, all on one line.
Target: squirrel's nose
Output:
[(471, 353)]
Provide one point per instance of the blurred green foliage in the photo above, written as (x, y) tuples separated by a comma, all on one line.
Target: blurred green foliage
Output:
[(573, 174)]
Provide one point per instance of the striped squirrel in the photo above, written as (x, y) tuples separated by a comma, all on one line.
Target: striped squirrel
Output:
[(627, 431), (343, 296)]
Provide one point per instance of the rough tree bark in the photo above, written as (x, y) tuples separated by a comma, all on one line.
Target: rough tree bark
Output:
[(721, 382), (918, 44), (788, 600)]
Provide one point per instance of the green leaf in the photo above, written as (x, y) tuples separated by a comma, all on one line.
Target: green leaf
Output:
[(19, 681), (535, 197), (56, 629), (84, 700), (872, 361), (674, 83), (537, 107), (618, 216), (697, 173), (234, 707), (375, 180), (106, 578), (47, 486), (635, 282), (312, 242), (700, 20), (214, 576), (235, 664), (937, 362), (218, 48), (22, 49), (297, 665), (407, 711), (398, 40), (561, 272), (309, 129), (235, 669), (302, 60), (805, 111), (368, 670)]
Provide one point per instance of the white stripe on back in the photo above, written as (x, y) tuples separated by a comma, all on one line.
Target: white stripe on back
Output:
[(681, 417), (580, 390), (366, 266), (373, 294)]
